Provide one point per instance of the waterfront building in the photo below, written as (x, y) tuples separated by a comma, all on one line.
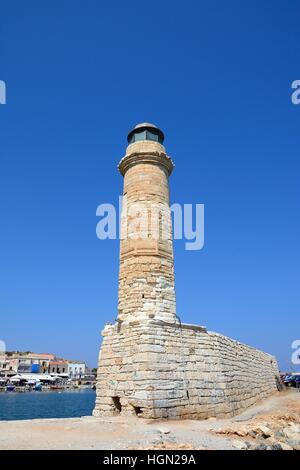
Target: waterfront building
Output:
[(27, 362), (76, 369), (15, 362), (59, 367)]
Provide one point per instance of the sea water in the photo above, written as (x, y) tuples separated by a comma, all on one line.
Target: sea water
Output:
[(48, 404)]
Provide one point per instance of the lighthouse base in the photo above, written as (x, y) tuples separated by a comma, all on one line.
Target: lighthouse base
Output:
[(160, 370)]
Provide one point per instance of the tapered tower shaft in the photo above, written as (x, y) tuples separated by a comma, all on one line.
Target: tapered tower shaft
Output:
[(146, 277)]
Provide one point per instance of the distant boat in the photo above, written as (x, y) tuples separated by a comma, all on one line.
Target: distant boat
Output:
[(57, 387), (10, 388), (38, 387)]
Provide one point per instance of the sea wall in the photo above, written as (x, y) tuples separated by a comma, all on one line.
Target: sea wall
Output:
[(158, 370)]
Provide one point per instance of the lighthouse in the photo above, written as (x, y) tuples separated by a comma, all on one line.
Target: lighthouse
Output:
[(151, 364), (146, 277)]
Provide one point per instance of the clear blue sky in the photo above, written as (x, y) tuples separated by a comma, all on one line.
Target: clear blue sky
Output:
[(216, 77)]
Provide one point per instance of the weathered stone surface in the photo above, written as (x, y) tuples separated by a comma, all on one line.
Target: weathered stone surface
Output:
[(276, 446), (265, 431), (240, 445), (170, 384), (146, 277), (285, 446), (292, 432), (261, 447)]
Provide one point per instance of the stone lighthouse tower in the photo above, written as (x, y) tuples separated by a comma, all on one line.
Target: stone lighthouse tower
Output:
[(146, 280), (150, 363)]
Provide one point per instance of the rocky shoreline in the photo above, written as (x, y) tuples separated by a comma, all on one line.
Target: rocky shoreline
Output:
[(273, 424)]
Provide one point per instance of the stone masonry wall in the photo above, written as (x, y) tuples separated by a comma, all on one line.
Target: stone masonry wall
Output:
[(158, 370)]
